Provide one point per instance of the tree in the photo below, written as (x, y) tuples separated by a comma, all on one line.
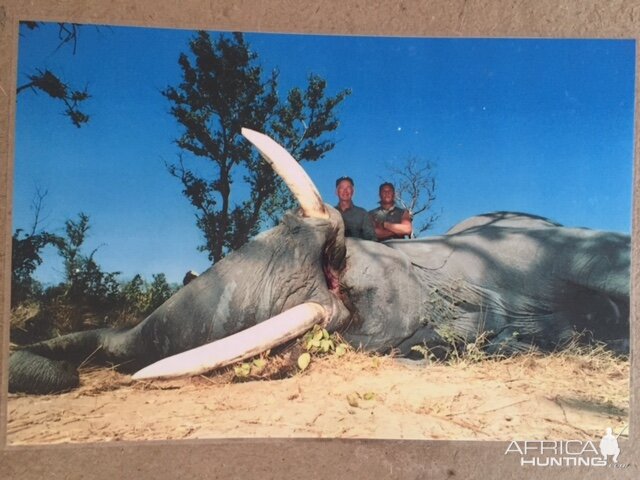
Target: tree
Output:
[(135, 298), (50, 83), (223, 90), (87, 293), (139, 298), (26, 249), (159, 291), (86, 297), (415, 185), (83, 276)]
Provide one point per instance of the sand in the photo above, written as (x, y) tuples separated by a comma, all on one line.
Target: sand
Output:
[(559, 396)]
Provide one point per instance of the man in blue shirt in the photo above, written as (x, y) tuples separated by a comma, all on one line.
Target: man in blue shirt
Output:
[(357, 222)]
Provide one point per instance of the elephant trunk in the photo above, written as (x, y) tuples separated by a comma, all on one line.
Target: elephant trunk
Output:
[(32, 373), (48, 367), (51, 366)]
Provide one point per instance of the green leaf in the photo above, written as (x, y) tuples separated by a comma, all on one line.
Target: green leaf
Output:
[(304, 360), (258, 366), (326, 345), (340, 350), (243, 370)]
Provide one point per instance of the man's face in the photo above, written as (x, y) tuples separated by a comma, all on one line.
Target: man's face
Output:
[(387, 195), (345, 191)]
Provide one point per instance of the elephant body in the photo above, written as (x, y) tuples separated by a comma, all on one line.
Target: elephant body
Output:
[(518, 281)]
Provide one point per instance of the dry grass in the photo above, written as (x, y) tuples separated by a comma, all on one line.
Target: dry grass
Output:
[(22, 316), (23, 313)]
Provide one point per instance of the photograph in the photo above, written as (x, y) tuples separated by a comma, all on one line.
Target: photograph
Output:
[(221, 234), (482, 326)]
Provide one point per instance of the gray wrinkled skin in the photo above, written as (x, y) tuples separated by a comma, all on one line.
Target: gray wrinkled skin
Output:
[(515, 279)]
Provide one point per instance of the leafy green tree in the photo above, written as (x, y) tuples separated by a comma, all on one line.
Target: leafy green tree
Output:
[(135, 297), (87, 293), (50, 83), (83, 275), (139, 298), (87, 297), (224, 89), (26, 250), (159, 292)]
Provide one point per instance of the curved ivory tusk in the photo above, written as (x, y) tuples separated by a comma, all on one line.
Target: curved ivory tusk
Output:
[(291, 172), (254, 340)]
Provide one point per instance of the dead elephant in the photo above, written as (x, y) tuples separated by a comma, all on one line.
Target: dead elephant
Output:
[(516, 280)]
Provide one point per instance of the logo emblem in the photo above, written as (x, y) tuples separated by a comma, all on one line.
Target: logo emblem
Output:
[(609, 445), (569, 453)]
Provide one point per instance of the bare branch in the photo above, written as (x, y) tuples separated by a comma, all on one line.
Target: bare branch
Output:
[(68, 33), (36, 207), (415, 185)]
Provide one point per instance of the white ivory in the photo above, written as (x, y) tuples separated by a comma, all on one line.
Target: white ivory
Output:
[(301, 186), (245, 344)]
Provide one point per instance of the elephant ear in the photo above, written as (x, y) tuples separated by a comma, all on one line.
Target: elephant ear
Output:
[(234, 348), (301, 186)]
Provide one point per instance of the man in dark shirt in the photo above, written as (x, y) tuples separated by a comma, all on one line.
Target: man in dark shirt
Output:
[(389, 220), (357, 222)]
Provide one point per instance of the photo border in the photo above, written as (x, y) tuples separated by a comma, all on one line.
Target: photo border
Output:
[(304, 458)]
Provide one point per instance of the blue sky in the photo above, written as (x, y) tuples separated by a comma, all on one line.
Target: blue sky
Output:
[(540, 126)]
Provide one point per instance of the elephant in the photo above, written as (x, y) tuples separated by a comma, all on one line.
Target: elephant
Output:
[(517, 281)]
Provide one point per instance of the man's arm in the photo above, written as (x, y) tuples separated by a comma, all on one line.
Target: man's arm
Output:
[(381, 232), (385, 230)]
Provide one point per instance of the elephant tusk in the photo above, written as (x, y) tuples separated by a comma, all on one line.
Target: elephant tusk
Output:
[(291, 172), (245, 344)]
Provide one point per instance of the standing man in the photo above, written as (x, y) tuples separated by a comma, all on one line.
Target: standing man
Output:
[(357, 222), (389, 220)]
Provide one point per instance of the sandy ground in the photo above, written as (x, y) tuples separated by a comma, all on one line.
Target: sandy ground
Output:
[(562, 396)]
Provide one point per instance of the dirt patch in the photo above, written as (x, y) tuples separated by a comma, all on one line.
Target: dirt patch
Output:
[(561, 396)]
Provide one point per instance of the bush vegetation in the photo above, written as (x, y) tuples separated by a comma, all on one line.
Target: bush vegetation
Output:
[(87, 297)]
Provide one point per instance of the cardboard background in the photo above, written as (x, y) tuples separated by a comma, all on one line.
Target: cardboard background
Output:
[(312, 458)]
